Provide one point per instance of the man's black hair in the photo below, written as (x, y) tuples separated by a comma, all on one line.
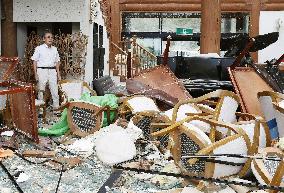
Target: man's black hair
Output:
[(46, 32)]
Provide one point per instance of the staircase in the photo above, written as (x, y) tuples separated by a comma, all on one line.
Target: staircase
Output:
[(130, 58)]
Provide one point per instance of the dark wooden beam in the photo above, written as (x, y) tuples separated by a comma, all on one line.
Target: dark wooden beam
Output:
[(273, 7), (254, 23), (160, 7), (175, 1), (8, 31), (160, 2), (172, 7), (210, 26)]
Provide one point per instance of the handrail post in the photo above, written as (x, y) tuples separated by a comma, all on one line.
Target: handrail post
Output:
[(167, 50), (129, 65)]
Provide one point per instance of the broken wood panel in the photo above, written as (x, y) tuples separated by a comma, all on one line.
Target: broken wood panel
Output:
[(161, 78), (22, 104), (39, 153), (240, 77)]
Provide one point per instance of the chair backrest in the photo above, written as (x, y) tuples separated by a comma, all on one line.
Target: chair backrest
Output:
[(226, 109), (101, 85), (279, 114), (266, 99), (73, 89), (139, 104), (189, 141)]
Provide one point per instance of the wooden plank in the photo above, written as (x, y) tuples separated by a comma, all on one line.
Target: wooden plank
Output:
[(210, 26), (160, 1), (159, 8), (175, 1), (240, 77), (273, 7), (171, 7), (39, 154)]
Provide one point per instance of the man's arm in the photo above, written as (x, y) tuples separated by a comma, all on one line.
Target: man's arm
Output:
[(57, 59), (58, 71), (35, 69)]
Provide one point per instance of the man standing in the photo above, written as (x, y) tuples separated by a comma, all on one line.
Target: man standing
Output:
[(46, 68)]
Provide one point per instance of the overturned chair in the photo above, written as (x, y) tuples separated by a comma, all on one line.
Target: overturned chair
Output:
[(217, 105), (198, 154)]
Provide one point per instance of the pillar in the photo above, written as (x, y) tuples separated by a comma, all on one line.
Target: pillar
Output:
[(210, 26), (8, 30), (254, 23)]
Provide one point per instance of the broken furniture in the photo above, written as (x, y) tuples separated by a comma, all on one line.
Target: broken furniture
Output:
[(105, 85), (188, 141), (7, 66), (269, 171), (21, 100), (279, 115), (266, 99), (247, 83), (160, 83), (149, 118), (85, 118), (73, 89)]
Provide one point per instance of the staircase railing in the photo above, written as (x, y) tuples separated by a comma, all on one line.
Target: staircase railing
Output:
[(129, 58), (119, 58)]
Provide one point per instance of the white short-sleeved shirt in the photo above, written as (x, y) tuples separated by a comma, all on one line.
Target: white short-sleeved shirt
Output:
[(46, 56)]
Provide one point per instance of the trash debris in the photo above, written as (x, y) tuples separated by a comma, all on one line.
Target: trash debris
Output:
[(115, 146), (7, 133), (39, 153), (6, 153), (22, 177)]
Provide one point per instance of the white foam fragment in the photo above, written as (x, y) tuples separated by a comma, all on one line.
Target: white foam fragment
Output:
[(115, 146), (7, 133), (22, 178)]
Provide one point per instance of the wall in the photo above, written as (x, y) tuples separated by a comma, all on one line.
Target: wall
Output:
[(21, 38), (269, 23), (0, 24), (48, 10), (63, 11)]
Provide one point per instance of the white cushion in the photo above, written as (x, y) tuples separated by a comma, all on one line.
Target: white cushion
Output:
[(115, 146), (205, 127), (39, 102), (280, 123), (237, 146), (181, 114), (248, 127), (200, 134), (142, 104), (267, 107), (73, 90)]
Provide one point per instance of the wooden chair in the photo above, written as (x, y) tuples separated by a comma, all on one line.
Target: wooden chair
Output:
[(85, 118), (279, 114), (269, 172), (150, 119), (73, 89), (266, 99), (186, 140)]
